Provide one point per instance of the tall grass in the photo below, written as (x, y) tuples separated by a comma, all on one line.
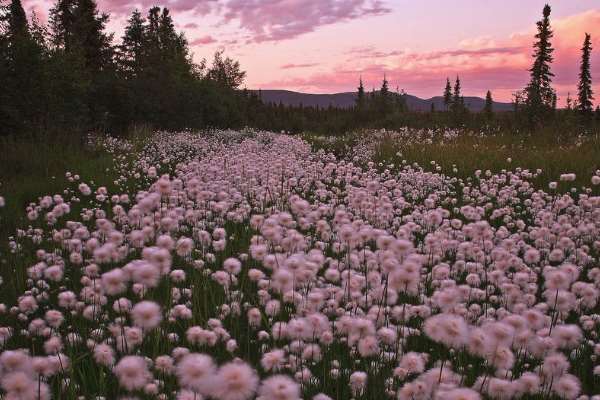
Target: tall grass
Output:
[(554, 154), (35, 166), (468, 153)]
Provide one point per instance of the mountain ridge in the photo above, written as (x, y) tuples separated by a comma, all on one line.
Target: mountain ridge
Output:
[(348, 99)]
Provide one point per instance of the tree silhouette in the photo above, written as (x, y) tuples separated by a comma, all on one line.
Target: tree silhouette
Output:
[(539, 90), (488, 106), (360, 97), (458, 103), (585, 94), (448, 94)]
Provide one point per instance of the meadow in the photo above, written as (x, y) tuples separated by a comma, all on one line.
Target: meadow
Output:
[(229, 265)]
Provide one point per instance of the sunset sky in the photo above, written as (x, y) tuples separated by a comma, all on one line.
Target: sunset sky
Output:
[(323, 46)]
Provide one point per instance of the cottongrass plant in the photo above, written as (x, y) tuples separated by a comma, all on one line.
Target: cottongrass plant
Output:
[(245, 265)]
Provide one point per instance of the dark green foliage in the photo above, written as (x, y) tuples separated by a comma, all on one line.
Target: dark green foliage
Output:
[(488, 107), (70, 76), (540, 96), (360, 98), (448, 94), (585, 94)]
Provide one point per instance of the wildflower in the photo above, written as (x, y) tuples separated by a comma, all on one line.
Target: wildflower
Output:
[(132, 372), (235, 381), (197, 372), (279, 387)]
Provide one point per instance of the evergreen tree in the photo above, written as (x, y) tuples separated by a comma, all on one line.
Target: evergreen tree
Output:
[(384, 91), (132, 48), (539, 90), (17, 21), (585, 95), (360, 97), (62, 19), (518, 100), (569, 102), (23, 72), (488, 107), (457, 99), (90, 37), (448, 94), (384, 97)]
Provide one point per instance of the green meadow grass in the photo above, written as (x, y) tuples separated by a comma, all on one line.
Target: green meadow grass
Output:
[(552, 154), (30, 168)]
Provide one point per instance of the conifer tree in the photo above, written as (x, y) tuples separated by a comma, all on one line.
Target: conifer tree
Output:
[(89, 34), (569, 102), (488, 107), (18, 27), (384, 97), (360, 97), (61, 24), (539, 90), (585, 94), (384, 91), (457, 99), (132, 49), (448, 94)]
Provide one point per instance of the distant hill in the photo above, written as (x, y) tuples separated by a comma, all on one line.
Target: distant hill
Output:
[(348, 99)]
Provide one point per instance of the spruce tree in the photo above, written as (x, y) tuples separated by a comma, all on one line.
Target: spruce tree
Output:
[(569, 102), (18, 27), (90, 37), (448, 94), (384, 97), (384, 91), (61, 24), (539, 90), (488, 107), (23, 74), (360, 97), (131, 50), (457, 100), (585, 95)]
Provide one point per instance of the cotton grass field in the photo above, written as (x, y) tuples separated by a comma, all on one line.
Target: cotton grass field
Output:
[(234, 265)]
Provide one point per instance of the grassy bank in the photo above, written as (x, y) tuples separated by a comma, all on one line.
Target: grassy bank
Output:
[(461, 154), (31, 167)]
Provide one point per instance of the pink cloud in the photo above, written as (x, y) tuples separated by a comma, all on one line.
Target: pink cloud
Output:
[(482, 64), (293, 66), (371, 52), (203, 41), (120, 7), (274, 20)]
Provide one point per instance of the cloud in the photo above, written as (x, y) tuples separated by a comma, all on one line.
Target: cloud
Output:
[(371, 52), (125, 7), (204, 40), (501, 66), (275, 20), (293, 66)]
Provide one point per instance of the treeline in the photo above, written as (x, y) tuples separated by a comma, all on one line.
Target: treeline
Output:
[(534, 107), (71, 75)]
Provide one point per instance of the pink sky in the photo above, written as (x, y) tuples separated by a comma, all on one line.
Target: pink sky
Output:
[(323, 46)]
